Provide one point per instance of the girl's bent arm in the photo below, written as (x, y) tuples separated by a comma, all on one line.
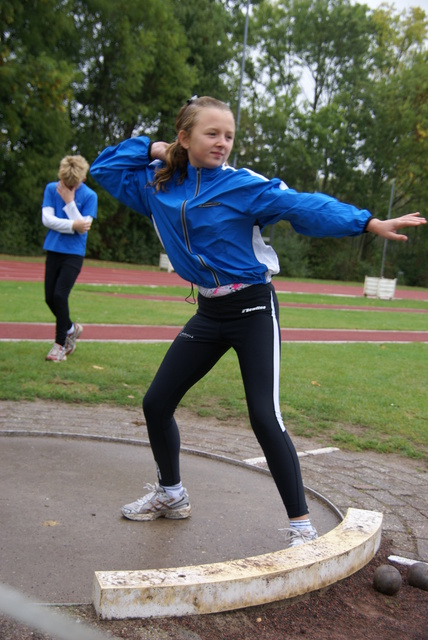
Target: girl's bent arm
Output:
[(49, 220), (123, 171)]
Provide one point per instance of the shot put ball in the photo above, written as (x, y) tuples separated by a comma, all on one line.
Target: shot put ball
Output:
[(387, 579), (417, 575)]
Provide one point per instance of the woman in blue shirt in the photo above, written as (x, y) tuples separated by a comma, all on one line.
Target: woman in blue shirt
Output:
[(69, 207)]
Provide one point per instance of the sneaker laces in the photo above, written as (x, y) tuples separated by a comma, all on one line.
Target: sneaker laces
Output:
[(295, 537), (292, 534), (153, 489)]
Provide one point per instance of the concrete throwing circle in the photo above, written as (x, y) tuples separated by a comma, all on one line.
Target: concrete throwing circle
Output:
[(60, 514)]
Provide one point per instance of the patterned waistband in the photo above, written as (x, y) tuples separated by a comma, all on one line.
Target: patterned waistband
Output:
[(223, 290)]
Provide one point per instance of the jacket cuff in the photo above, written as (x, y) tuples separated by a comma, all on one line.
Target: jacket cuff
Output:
[(149, 151), (367, 222)]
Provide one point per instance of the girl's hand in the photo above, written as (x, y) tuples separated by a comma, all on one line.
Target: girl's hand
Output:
[(66, 193), (158, 151), (388, 228), (82, 225)]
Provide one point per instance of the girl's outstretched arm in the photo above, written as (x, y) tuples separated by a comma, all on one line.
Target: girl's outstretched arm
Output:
[(388, 228)]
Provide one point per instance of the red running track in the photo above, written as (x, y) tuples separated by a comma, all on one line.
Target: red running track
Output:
[(34, 272), (144, 333)]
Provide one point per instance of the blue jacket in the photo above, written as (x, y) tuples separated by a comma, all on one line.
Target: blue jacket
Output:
[(210, 225), (71, 243)]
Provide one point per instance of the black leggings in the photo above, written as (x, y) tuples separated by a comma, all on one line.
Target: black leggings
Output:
[(61, 273), (248, 322)]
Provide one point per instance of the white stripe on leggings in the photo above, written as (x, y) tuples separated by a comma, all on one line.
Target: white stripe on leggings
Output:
[(276, 364)]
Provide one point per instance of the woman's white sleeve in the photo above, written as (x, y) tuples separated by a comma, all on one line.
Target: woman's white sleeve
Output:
[(72, 211), (57, 224)]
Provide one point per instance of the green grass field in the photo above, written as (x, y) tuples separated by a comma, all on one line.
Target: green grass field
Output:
[(356, 396), (138, 305)]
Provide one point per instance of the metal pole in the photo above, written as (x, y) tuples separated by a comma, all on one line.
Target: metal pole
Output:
[(20, 608), (386, 241), (241, 80)]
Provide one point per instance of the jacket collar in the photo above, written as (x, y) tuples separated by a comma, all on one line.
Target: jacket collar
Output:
[(206, 174)]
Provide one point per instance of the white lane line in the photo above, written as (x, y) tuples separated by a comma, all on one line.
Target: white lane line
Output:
[(318, 452), (312, 452)]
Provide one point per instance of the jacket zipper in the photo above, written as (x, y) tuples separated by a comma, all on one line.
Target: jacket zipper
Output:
[(186, 233)]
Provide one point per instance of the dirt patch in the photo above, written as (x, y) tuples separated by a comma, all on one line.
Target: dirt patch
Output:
[(348, 609)]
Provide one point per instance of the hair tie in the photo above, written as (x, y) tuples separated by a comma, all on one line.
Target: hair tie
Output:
[(192, 99)]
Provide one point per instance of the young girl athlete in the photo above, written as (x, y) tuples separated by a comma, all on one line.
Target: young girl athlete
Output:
[(209, 217)]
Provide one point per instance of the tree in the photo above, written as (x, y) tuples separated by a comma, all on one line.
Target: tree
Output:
[(330, 85), (392, 119), (36, 71), (334, 99), (139, 63), (87, 73), (131, 55), (210, 33)]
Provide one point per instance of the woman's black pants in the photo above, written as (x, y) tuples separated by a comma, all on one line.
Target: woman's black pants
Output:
[(61, 273)]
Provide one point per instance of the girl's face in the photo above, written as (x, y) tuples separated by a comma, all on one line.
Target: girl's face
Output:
[(211, 140)]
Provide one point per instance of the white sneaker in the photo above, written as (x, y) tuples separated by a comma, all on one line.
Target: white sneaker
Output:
[(57, 353), (296, 537), (157, 504), (70, 341)]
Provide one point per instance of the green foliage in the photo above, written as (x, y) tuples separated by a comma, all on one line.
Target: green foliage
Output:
[(291, 250), (35, 85), (342, 109), (334, 100), (131, 56), (210, 47)]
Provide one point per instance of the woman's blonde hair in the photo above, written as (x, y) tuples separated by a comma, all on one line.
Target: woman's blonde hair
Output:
[(73, 170), (176, 155)]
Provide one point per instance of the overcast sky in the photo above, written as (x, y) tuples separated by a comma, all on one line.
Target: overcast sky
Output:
[(400, 5)]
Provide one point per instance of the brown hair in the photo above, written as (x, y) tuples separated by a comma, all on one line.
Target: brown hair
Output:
[(176, 155), (73, 170)]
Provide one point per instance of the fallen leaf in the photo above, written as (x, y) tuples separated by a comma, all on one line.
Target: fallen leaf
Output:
[(50, 523), (315, 383)]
